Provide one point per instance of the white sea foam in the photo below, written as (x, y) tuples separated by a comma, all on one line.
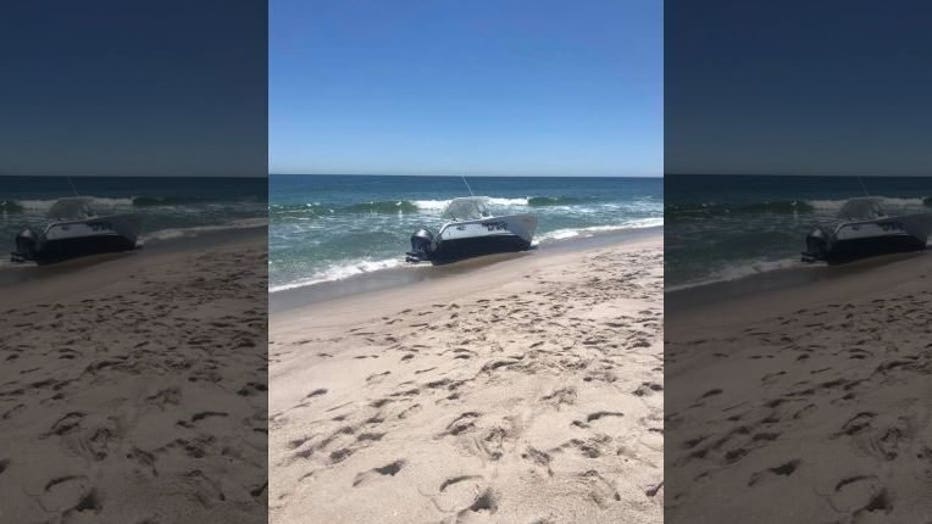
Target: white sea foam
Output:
[(563, 234), (100, 202), (508, 201), (743, 269), (890, 202), (185, 232), (347, 269), (430, 205), (340, 272), (437, 205)]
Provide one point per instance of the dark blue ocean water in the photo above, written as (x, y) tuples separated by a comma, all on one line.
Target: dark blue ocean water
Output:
[(722, 227), (328, 227), (169, 207)]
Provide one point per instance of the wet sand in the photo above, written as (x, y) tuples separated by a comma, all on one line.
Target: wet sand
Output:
[(132, 386), (529, 390), (807, 403), (284, 300)]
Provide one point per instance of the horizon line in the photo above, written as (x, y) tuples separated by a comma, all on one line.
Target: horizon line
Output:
[(85, 175), (472, 175), (802, 174)]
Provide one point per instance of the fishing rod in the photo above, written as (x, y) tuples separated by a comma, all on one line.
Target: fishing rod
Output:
[(863, 187), (74, 189), (467, 185)]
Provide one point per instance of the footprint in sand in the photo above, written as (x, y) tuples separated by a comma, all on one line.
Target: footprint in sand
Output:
[(391, 470), (486, 501), (456, 480), (462, 423), (66, 424), (601, 491), (783, 470), (647, 388), (316, 393)]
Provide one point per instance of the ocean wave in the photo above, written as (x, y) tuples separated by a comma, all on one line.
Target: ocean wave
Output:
[(890, 202), (186, 232), (563, 234), (431, 205), (341, 271), (150, 201), (546, 201), (712, 209), (438, 205), (501, 201), (318, 209), (824, 206), (741, 269), (383, 206), (43, 205), (10, 206), (350, 268)]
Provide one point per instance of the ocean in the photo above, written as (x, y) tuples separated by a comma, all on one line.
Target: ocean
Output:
[(330, 227), (723, 227), (170, 207)]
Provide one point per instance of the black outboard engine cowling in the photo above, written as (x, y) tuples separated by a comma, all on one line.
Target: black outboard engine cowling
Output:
[(422, 245), (816, 246), (26, 245)]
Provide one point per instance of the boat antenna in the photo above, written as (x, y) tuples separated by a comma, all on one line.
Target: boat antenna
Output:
[(467, 185), (72, 187), (863, 187)]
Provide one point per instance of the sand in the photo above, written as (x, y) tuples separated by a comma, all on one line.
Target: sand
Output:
[(806, 404), (132, 388), (528, 391)]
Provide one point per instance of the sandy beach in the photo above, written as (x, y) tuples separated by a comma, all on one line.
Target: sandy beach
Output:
[(529, 390), (132, 387), (807, 403)]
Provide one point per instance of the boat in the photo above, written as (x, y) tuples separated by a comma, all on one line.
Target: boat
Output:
[(862, 229), (74, 229), (471, 230)]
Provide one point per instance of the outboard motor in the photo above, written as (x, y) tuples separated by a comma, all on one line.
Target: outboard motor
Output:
[(816, 246), (422, 245), (26, 245)]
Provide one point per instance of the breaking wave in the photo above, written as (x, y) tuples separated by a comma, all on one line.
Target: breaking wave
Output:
[(741, 269), (186, 232), (341, 271), (782, 207), (563, 234), (393, 207)]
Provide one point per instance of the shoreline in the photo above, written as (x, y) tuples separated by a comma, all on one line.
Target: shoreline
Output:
[(134, 386), (13, 276), (781, 279), (814, 390), (529, 388), (287, 299), (796, 282)]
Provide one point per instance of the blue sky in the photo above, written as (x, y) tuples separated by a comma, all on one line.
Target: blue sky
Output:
[(112, 87), (479, 87), (834, 87)]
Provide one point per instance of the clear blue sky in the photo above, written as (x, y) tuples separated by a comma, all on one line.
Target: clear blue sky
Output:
[(833, 87), (116, 88), (478, 87)]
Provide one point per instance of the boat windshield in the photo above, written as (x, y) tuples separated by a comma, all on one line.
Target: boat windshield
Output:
[(71, 209), (861, 209), (471, 208)]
